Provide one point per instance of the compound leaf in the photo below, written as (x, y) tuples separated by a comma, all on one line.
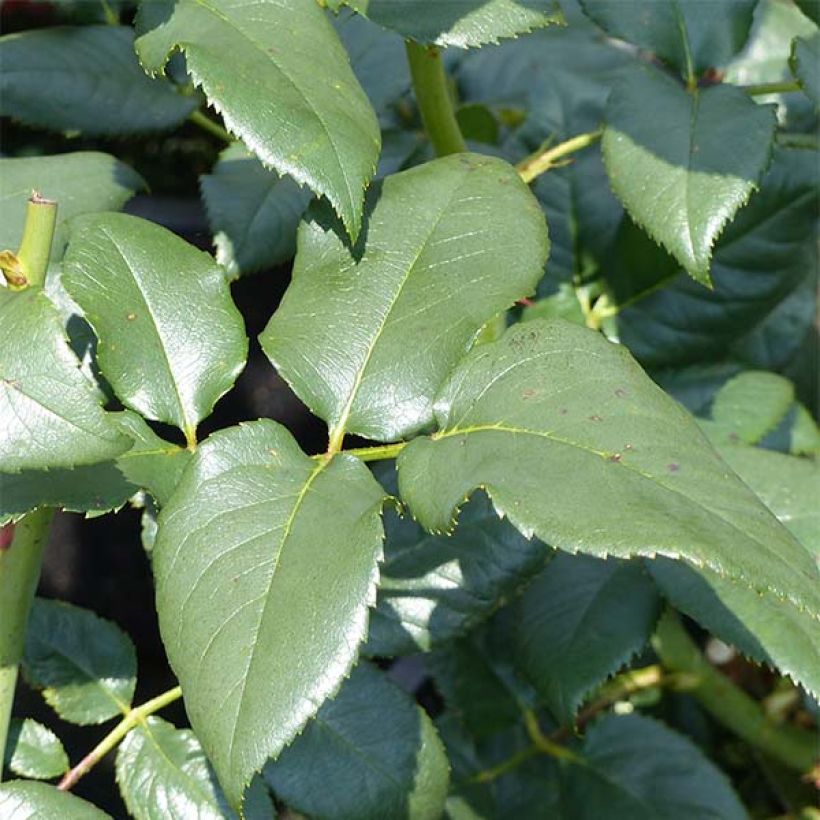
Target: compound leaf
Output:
[(366, 335), (266, 563)]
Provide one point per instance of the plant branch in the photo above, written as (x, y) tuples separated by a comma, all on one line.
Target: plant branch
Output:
[(129, 721), (512, 762), (729, 705), (213, 128), (433, 98), (781, 87), (545, 744), (547, 157)]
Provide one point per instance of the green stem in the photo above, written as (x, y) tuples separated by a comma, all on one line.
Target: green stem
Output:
[(433, 98), (129, 721), (512, 762), (546, 157), (544, 744), (38, 232), (727, 703), (19, 573), (213, 128), (781, 87)]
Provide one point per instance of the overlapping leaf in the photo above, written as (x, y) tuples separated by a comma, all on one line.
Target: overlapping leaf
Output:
[(575, 445), (366, 335), (26, 799), (266, 563), (369, 753), (51, 413), (33, 750), (322, 130), (171, 341), (684, 163), (805, 63), (85, 79)]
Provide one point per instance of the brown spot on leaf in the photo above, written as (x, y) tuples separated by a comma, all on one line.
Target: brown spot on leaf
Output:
[(615, 458), (596, 417), (620, 392), (673, 467)]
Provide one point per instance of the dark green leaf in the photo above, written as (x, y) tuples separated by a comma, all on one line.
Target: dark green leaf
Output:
[(460, 23), (689, 34), (162, 772), (151, 463), (171, 341), (85, 665), (84, 79), (580, 621), (253, 212), (805, 63), (266, 564), (811, 8), (322, 130), (684, 163), (637, 769), (32, 750), (370, 753), (30, 800), (574, 443), (51, 413), (82, 182), (366, 336)]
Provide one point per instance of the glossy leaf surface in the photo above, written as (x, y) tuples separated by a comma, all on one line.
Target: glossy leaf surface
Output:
[(322, 130), (30, 800), (171, 341), (32, 750), (266, 563), (365, 336)]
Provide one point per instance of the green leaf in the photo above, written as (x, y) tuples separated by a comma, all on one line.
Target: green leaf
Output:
[(51, 413), (171, 341), (580, 621), (322, 130), (811, 8), (689, 34), (85, 79), (684, 163), (30, 800), (763, 257), (553, 415), (162, 771), (266, 563), (805, 64), (151, 463), (253, 212), (751, 405), (86, 665), (369, 753), (637, 769), (82, 182), (32, 750), (365, 336), (460, 23)]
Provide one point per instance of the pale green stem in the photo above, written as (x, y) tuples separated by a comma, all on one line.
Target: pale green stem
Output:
[(20, 563), (729, 705), (547, 157), (35, 246), (110, 741), (433, 98), (213, 128), (780, 87), (377, 453)]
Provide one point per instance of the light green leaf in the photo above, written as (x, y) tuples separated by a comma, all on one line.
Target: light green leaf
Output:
[(365, 336), (30, 800), (552, 418), (81, 182), (85, 665), (684, 163), (253, 212), (51, 413), (805, 64), (322, 130), (460, 23), (750, 405), (162, 772), (580, 621), (84, 79), (171, 341), (689, 34), (151, 463), (32, 750), (637, 769), (266, 563), (370, 753)]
